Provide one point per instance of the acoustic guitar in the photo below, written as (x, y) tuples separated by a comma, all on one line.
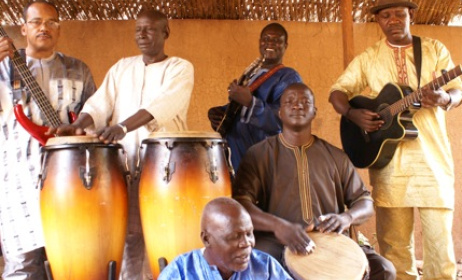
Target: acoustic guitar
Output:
[(50, 114), (233, 109), (394, 104)]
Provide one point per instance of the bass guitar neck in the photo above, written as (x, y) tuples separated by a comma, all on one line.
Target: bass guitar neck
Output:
[(39, 97)]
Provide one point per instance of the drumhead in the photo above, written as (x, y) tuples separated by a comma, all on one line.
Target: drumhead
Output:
[(335, 257), (183, 134), (66, 140)]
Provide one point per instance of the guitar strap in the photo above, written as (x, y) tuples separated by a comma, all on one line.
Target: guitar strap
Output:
[(417, 47), (260, 80)]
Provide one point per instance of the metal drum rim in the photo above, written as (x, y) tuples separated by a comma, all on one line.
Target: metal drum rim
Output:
[(185, 136), (64, 142)]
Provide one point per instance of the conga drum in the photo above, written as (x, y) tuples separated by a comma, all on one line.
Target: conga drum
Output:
[(180, 173), (335, 257), (83, 204)]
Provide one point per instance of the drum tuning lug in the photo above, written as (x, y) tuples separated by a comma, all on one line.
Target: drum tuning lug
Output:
[(43, 172), (169, 170), (86, 172), (128, 177), (212, 165), (212, 169), (87, 176), (40, 182), (230, 163)]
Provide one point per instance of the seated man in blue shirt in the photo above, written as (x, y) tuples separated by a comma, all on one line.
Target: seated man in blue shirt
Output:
[(227, 234)]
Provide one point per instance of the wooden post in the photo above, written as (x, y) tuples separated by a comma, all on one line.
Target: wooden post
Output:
[(346, 7)]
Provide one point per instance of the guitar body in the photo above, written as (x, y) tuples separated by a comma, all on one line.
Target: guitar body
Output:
[(376, 149), (232, 110), (36, 131)]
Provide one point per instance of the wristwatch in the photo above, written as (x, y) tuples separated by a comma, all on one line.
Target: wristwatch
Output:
[(124, 127)]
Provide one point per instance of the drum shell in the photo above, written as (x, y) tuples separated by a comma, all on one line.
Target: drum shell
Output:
[(84, 229), (171, 208)]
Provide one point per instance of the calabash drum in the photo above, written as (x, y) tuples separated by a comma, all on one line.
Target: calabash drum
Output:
[(83, 206), (180, 173), (335, 257)]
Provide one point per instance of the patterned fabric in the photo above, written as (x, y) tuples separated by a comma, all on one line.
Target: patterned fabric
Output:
[(67, 82), (422, 171), (193, 266), (261, 119)]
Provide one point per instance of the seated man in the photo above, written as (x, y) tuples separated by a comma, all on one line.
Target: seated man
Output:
[(293, 180), (227, 234)]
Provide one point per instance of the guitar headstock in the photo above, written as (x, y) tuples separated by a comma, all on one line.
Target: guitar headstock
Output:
[(250, 70), (253, 65)]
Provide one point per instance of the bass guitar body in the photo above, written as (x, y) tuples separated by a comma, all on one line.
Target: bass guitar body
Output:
[(376, 149), (35, 130)]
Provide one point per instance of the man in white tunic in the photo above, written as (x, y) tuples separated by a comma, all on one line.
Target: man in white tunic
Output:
[(66, 82), (141, 94)]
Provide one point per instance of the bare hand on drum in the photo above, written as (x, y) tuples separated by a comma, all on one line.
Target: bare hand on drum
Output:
[(334, 223), (295, 237), (65, 130), (111, 134)]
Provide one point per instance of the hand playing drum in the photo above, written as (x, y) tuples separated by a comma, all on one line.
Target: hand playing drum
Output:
[(336, 257)]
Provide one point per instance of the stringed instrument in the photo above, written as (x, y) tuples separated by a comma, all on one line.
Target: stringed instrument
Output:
[(49, 113), (233, 109), (376, 149)]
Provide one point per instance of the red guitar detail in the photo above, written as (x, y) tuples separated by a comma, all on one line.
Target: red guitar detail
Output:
[(50, 114), (35, 130)]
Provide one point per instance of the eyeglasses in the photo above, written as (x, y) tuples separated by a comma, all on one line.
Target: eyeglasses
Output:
[(36, 23)]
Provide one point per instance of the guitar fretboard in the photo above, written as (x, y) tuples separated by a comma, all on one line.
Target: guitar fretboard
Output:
[(38, 95), (416, 96)]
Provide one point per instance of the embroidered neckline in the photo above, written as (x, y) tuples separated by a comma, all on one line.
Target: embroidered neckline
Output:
[(397, 46), (306, 145)]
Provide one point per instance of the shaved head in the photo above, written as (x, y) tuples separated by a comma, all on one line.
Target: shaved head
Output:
[(227, 234), (219, 211), (296, 87)]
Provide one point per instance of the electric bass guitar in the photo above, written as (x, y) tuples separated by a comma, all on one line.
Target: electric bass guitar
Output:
[(376, 149), (234, 108), (50, 114)]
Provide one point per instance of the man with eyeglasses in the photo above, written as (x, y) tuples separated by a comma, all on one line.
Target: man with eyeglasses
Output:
[(258, 97), (67, 83)]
